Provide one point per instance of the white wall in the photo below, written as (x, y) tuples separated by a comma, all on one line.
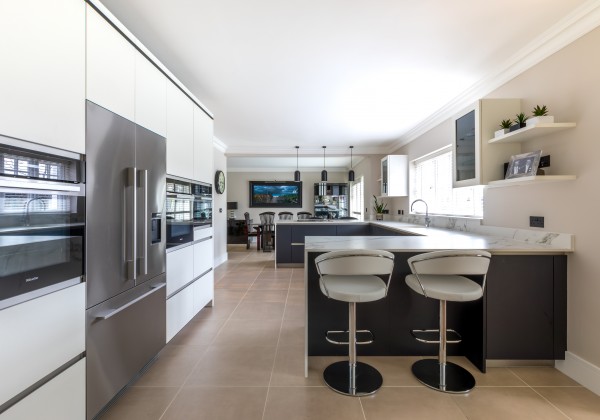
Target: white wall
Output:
[(567, 82), (220, 210)]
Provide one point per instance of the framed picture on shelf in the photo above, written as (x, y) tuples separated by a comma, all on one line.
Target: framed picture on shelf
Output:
[(525, 164)]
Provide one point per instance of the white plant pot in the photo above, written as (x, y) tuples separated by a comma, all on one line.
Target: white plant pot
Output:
[(544, 119), (501, 132)]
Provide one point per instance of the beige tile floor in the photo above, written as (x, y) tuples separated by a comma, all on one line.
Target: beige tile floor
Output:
[(243, 360)]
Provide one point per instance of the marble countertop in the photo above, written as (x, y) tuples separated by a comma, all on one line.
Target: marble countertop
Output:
[(495, 240), (320, 222)]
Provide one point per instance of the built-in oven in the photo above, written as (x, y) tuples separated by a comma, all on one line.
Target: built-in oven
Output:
[(179, 212), (42, 220), (202, 206)]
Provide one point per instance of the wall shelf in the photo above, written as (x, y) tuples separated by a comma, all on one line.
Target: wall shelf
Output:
[(528, 133), (529, 180)]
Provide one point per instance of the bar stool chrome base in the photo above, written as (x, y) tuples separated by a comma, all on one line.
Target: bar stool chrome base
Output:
[(445, 378), (337, 376)]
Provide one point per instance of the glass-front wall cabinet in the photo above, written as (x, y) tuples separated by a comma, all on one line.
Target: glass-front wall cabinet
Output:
[(465, 147), (475, 161)]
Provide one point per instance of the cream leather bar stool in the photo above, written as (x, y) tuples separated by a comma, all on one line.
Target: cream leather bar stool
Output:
[(440, 275), (353, 276)]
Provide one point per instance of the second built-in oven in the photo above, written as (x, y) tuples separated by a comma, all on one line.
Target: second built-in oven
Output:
[(202, 206), (189, 207), (179, 211)]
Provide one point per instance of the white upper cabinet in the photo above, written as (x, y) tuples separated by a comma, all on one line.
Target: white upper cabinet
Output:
[(180, 133), (43, 72), (150, 96), (394, 176), (475, 161), (203, 146), (110, 67)]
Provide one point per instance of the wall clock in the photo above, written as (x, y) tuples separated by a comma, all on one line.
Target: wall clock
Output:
[(220, 182)]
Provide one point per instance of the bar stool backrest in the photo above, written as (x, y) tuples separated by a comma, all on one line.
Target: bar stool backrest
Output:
[(451, 262), (355, 262)]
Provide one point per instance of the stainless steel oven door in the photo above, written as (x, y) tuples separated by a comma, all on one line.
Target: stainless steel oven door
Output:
[(41, 241), (202, 212), (180, 224), (42, 225)]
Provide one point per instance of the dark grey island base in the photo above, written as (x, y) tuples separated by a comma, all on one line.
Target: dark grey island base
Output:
[(522, 316)]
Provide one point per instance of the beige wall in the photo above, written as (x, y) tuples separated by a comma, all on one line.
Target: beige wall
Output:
[(238, 189), (568, 82)]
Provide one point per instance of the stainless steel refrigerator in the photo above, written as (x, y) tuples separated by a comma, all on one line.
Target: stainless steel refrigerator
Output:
[(125, 252)]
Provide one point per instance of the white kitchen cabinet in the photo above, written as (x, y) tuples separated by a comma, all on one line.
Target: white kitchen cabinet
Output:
[(203, 256), (110, 67), (180, 268), (180, 133), (61, 398), (43, 334), (203, 251), (475, 161), (43, 72), (150, 96), (394, 176), (180, 310), (204, 291), (203, 146)]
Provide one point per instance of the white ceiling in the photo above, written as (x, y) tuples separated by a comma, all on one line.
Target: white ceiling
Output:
[(277, 74)]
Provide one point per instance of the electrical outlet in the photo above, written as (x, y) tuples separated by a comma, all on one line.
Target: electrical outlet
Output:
[(536, 221)]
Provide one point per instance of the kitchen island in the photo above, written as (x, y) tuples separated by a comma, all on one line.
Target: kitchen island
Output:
[(522, 315)]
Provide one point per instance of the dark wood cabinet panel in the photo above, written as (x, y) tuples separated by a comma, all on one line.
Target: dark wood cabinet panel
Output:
[(318, 229), (283, 244), (380, 231), (352, 230), (526, 307), (520, 307)]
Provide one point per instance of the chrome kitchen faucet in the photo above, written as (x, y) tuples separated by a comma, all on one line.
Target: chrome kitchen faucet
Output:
[(427, 219)]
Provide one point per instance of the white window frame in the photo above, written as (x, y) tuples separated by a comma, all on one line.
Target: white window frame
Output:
[(357, 197), (437, 189)]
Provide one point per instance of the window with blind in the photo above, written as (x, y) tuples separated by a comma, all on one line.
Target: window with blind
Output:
[(431, 180), (356, 199), (17, 202)]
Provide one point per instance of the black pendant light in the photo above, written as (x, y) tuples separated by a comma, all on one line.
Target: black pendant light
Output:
[(351, 171), (324, 172), (297, 173)]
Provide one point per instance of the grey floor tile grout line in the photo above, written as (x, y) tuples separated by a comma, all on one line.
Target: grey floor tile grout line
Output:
[(549, 402), (185, 381), (277, 346)]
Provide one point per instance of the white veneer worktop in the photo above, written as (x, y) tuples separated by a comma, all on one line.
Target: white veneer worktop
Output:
[(466, 236)]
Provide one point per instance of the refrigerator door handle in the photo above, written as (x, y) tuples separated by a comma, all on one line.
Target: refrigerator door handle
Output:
[(112, 312), (130, 230), (144, 187)]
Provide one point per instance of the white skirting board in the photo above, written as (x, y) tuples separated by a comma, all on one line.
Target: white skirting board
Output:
[(221, 259), (581, 371)]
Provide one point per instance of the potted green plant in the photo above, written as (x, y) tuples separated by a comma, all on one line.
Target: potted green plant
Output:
[(379, 208), (504, 128), (540, 116), (519, 122)]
